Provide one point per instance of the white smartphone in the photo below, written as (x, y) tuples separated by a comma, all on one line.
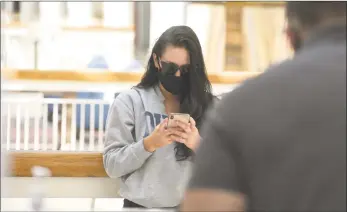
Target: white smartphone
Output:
[(173, 117)]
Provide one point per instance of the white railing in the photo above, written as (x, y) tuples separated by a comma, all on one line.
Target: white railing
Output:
[(53, 124)]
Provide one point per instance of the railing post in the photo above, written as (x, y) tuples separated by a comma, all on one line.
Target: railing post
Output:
[(36, 133)]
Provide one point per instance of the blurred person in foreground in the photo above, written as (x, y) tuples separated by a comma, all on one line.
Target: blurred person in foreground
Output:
[(278, 143), (152, 162)]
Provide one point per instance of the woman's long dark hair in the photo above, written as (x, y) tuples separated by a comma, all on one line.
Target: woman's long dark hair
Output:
[(198, 92)]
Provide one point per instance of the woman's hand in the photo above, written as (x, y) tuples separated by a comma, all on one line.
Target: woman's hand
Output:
[(158, 138), (187, 133)]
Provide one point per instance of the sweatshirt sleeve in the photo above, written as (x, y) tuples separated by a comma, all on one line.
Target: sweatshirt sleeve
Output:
[(122, 154)]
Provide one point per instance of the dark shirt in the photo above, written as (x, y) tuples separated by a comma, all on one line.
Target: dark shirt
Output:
[(280, 138)]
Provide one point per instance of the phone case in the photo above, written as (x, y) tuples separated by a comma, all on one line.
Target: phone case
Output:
[(177, 116)]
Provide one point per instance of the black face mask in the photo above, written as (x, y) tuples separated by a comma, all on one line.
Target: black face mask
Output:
[(167, 78), (171, 83)]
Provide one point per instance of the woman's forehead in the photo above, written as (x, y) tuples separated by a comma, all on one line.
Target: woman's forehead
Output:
[(177, 55)]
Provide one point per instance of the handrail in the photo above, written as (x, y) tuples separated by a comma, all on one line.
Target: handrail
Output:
[(109, 76), (45, 124), (61, 164)]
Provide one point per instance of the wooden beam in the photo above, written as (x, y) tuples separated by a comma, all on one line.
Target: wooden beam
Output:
[(234, 43), (116, 77), (71, 75), (256, 3), (244, 3), (61, 164)]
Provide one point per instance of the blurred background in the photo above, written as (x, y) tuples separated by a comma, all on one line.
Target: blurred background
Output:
[(63, 63), (235, 36)]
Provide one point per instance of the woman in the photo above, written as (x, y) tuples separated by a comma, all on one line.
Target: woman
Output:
[(154, 162)]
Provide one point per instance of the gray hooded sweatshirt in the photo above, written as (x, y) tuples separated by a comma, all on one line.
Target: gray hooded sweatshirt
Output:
[(153, 180)]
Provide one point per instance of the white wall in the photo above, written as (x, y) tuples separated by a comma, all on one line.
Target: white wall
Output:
[(163, 16), (208, 22)]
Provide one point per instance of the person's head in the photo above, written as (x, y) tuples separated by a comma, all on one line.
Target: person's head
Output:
[(177, 64), (306, 16)]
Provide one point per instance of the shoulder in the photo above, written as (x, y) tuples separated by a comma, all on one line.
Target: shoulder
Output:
[(126, 95), (256, 94), (133, 96), (126, 98), (274, 75), (258, 85), (211, 100), (215, 100), (211, 97)]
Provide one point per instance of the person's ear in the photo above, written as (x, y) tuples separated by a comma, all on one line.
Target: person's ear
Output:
[(294, 38), (156, 62)]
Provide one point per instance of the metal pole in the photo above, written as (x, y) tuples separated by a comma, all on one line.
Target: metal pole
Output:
[(36, 54), (142, 30)]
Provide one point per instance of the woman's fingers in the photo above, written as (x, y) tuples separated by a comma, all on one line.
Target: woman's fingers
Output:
[(192, 122), (177, 134), (177, 138), (169, 139), (180, 134), (169, 131), (183, 126), (163, 124)]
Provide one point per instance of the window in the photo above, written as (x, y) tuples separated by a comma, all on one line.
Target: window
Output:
[(254, 36)]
